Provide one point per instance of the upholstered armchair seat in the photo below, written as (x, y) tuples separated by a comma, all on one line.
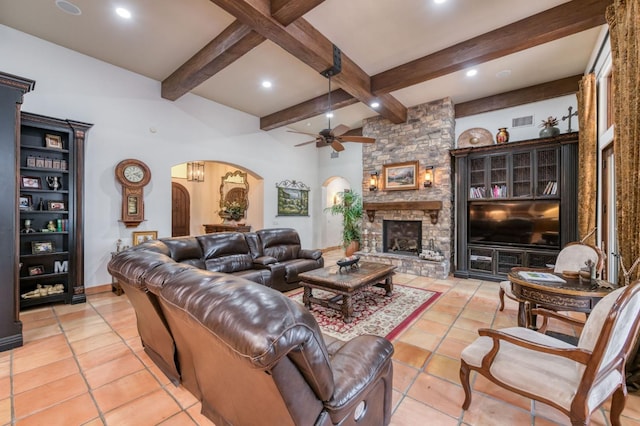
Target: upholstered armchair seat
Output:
[(574, 379)]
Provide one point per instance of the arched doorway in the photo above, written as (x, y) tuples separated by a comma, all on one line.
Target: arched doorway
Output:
[(180, 210)]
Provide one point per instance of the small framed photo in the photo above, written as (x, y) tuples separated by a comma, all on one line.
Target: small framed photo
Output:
[(31, 161), (30, 182), (40, 247), (36, 270), (400, 176), (40, 162), (142, 236), (56, 163), (53, 141), (26, 202), (48, 163), (56, 205)]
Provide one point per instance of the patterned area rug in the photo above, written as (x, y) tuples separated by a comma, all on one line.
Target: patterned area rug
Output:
[(373, 312)]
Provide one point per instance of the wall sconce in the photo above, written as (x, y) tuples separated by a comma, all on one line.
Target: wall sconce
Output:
[(195, 171), (373, 182), (428, 176)]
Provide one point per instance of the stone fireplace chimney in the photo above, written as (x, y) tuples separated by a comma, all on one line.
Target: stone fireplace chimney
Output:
[(426, 137)]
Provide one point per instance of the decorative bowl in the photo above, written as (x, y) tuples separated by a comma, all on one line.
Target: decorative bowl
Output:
[(351, 261)]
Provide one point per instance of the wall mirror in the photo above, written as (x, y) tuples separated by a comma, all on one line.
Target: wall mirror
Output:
[(234, 195)]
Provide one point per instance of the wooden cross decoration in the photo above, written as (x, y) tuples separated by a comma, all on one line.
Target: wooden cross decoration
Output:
[(569, 117)]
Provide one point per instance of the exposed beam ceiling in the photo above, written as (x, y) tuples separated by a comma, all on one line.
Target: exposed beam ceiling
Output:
[(539, 92), (561, 21), (304, 42)]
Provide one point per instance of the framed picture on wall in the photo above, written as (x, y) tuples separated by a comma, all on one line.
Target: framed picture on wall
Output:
[(400, 176), (140, 237), (293, 198)]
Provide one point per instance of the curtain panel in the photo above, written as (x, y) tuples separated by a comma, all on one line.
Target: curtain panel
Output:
[(623, 17), (587, 158)]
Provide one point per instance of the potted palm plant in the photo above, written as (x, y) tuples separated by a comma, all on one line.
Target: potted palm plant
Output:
[(349, 205)]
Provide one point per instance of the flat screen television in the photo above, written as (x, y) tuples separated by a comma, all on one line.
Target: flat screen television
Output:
[(519, 223)]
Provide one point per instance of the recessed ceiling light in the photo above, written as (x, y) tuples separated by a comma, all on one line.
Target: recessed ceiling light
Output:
[(439, 1), (123, 13), (68, 7), (375, 104), (503, 73), (266, 84), (472, 72)]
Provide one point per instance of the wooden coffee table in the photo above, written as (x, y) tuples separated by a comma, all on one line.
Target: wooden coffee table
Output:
[(345, 284)]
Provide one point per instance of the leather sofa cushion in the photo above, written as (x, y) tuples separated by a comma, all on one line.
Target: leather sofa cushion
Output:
[(297, 266), (260, 276), (282, 243), (225, 252), (257, 324)]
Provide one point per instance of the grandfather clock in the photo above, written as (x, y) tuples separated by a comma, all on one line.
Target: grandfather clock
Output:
[(133, 175)]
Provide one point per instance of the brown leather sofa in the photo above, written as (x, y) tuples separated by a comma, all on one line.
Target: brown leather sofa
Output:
[(249, 353)]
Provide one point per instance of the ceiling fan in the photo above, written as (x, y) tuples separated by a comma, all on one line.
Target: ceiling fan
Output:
[(334, 137)]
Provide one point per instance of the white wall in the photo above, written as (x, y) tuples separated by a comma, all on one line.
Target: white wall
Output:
[(131, 120), (492, 121)]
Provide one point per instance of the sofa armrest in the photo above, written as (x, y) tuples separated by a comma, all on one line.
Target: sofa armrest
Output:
[(264, 260), (354, 380), (314, 254)]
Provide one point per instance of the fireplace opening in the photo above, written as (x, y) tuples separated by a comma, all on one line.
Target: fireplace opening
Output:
[(402, 237)]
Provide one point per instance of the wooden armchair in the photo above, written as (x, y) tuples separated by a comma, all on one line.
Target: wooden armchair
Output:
[(574, 379), (571, 258)]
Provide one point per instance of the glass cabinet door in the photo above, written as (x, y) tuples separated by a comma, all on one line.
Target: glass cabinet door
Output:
[(521, 166), (547, 172)]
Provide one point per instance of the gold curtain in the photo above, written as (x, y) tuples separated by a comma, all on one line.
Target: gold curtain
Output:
[(587, 148), (623, 17)]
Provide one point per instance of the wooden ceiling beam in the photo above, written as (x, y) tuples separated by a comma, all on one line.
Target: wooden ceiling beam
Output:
[(287, 11), (236, 40), (307, 44), (539, 92), (308, 109), (561, 21)]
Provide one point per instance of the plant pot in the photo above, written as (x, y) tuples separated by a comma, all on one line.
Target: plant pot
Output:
[(353, 247), (549, 131)]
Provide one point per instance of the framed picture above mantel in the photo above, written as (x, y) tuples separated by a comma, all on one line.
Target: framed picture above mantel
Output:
[(400, 176)]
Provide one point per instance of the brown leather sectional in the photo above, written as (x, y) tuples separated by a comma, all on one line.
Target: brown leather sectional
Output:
[(250, 354)]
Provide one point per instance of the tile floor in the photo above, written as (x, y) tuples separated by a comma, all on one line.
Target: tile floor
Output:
[(84, 365)]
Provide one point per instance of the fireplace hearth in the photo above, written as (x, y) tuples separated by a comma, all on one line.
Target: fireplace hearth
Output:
[(402, 237)]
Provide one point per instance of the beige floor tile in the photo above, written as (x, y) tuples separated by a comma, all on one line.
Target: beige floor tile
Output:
[(486, 411), (75, 411), (150, 409), (403, 376), (113, 370), (35, 377), (40, 352), (180, 419), (410, 354), (5, 411), (413, 413), (95, 342), (438, 393), (97, 357), (47, 396), (125, 389)]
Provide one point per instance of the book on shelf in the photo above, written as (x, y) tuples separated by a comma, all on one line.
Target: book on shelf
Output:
[(551, 188), (540, 276)]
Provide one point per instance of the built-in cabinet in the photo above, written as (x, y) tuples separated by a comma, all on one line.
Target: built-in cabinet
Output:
[(516, 204), (51, 158)]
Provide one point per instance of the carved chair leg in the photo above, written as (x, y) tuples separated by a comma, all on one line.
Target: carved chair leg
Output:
[(501, 296), (617, 405), (464, 380)]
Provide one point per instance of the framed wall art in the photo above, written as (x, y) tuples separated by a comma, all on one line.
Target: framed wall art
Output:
[(30, 182), (39, 247), (140, 237), (56, 205), (400, 176), (293, 198), (36, 270), (53, 141)]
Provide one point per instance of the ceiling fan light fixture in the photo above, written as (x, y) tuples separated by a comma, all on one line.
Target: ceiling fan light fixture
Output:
[(267, 84), (123, 13), (374, 104), (472, 72)]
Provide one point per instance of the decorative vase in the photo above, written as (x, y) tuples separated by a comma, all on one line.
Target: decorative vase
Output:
[(549, 131), (502, 136)]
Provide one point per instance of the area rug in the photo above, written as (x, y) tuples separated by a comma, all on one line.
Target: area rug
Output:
[(373, 312)]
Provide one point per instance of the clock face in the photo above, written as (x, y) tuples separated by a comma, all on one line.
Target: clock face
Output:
[(133, 173)]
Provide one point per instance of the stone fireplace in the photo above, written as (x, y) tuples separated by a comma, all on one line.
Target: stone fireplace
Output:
[(399, 224), (402, 237)]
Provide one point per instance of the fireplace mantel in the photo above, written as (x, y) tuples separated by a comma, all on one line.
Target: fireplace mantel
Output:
[(432, 208)]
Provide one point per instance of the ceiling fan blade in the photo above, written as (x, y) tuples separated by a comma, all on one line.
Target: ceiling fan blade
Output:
[(306, 143), (315, 135), (339, 130), (361, 139), (337, 146)]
